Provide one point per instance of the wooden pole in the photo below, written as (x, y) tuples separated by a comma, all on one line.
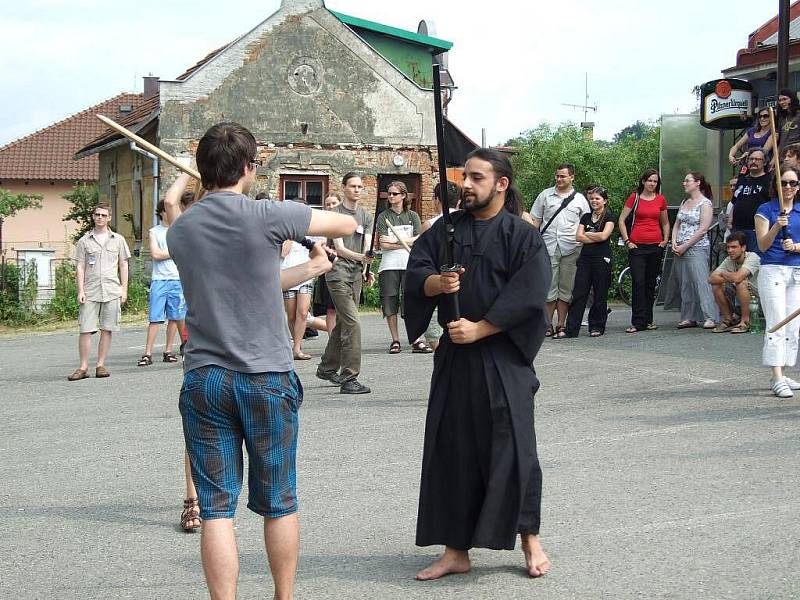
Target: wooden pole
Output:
[(149, 147), (400, 240), (773, 135)]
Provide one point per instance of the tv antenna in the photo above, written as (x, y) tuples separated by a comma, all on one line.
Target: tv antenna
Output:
[(585, 106)]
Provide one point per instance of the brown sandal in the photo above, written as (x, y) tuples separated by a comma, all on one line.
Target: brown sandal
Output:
[(191, 512), (169, 357)]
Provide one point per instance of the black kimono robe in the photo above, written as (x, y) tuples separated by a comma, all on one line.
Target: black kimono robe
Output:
[(481, 480)]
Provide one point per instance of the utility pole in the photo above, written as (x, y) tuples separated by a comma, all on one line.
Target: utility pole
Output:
[(783, 45), (586, 125)]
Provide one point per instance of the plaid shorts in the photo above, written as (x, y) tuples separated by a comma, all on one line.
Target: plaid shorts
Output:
[(306, 288), (223, 408)]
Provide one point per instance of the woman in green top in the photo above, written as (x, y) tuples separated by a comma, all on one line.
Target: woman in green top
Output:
[(405, 224)]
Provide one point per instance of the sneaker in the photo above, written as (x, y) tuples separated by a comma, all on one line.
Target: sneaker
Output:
[(793, 385), (780, 387), (331, 376), (353, 387)]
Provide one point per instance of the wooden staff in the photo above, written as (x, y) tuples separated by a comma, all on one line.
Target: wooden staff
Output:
[(792, 316), (149, 147), (400, 240), (774, 137)]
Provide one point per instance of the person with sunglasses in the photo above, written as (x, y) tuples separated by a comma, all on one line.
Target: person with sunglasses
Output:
[(750, 191), (757, 136), (102, 279), (778, 234), (394, 258)]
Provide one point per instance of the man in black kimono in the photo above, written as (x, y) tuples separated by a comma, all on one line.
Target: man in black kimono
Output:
[(481, 480)]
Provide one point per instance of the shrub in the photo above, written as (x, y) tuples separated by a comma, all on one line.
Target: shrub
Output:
[(138, 287), (9, 293), (64, 305)]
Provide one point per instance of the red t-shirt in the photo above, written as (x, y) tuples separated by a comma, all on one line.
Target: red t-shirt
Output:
[(647, 225)]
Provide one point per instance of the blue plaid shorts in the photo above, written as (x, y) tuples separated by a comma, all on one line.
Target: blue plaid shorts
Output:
[(223, 408)]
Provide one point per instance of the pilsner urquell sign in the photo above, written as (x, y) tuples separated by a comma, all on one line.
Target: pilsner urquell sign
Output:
[(726, 104)]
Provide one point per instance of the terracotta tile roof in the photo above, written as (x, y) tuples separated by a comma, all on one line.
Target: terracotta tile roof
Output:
[(47, 153), (143, 114)]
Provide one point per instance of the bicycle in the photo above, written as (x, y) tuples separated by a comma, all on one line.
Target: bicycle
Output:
[(625, 280)]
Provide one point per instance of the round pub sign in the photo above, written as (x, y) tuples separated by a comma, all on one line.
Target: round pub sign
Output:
[(726, 104)]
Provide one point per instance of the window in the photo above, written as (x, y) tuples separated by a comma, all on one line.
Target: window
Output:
[(312, 188)]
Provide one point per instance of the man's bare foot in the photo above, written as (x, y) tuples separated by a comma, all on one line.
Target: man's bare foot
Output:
[(452, 561), (536, 561)]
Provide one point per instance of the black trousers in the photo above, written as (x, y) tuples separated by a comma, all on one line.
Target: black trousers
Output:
[(645, 263), (593, 273)]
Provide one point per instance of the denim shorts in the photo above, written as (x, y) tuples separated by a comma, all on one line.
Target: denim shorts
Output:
[(223, 408), (166, 301)]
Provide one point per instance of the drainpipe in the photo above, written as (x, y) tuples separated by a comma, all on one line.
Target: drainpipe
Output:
[(153, 158)]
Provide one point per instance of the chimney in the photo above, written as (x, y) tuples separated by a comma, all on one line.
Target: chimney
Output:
[(150, 87)]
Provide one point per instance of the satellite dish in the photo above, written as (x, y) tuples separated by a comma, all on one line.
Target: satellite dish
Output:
[(426, 27)]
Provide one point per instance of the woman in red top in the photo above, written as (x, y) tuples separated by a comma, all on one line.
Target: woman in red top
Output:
[(645, 242)]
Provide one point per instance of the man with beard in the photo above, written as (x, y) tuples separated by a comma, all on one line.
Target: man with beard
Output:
[(752, 190), (481, 480)]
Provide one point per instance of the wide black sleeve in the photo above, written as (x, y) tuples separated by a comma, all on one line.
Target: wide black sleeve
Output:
[(519, 309), (423, 262)]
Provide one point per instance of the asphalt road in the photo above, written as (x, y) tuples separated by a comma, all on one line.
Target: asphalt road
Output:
[(670, 471)]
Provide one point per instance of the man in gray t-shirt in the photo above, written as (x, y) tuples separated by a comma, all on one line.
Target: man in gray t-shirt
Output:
[(239, 385), (341, 361)]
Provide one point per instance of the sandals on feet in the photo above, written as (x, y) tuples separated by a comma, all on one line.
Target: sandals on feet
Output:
[(686, 325), (145, 361), (561, 333), (302, 356), (77, 375), (742, 327), (595, 333), (169, 357), (632, 329), (421, 347), (549, 331), (651, 327), (191, 512), (724, 325), (394, 347)]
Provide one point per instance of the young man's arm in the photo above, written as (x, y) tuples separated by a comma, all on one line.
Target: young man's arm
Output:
[(172, 199), (157, 253), (80, 279), (123, 279)]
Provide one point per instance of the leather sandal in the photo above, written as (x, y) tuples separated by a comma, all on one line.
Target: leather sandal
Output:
[(421, 347), (145, 361), (78, 375), (394, 347), (101, 372), (169, 357), (191, 512)]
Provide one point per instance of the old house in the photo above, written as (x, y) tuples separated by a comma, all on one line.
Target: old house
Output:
[(323, 93), (42, 163)]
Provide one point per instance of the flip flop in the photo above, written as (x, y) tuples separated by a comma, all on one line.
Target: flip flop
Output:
[(302, 356)]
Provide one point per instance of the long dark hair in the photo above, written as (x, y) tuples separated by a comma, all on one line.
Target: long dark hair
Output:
[(502, 168), (645, 176), (784, 169), (705, 187), (794, 104)]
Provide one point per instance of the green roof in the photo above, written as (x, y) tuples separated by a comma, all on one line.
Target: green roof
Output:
[(416, 38)]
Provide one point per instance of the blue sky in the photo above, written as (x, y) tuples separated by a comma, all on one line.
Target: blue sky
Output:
[(515, 62)]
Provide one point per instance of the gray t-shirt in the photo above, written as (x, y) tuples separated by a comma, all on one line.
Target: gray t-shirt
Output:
[(350, 270), (227, 248)]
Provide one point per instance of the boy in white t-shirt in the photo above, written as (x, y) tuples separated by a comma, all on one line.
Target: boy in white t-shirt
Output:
[(166, 294)]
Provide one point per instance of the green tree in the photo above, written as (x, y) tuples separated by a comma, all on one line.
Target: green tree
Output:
[(615, 165), (83, 197), (11, 204)]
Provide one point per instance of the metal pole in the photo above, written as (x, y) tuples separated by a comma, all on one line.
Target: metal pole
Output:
[(783, 45)]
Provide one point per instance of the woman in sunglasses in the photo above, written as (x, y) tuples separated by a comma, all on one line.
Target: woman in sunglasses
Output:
[(756, 136), (691, 249), (778, 235)]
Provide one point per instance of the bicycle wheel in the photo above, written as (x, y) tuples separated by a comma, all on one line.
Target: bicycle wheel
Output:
[(625, 285)]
